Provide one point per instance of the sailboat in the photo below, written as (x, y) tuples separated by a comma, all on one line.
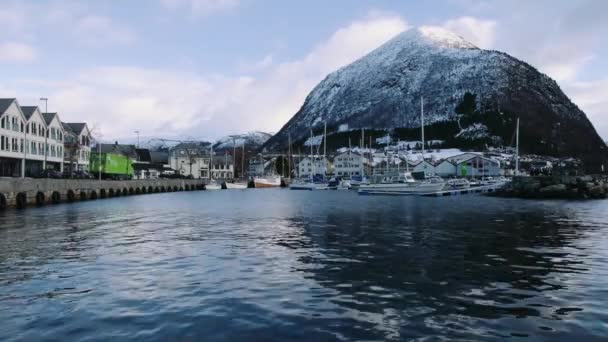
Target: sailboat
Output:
[(314, 183), (405, 183)]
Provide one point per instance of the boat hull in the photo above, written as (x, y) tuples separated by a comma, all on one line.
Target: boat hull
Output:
[(401, 188), (267, 182)]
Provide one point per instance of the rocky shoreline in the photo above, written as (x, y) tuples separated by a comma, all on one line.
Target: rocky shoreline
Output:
[(557, 187)]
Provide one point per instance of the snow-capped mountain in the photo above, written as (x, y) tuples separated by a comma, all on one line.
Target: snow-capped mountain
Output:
[(469, 93), (252, 140)]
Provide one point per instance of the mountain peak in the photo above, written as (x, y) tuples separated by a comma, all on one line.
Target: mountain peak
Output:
[(444, 38)]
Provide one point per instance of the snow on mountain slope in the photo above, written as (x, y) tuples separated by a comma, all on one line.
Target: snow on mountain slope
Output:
[(382, 90), (251, 139)]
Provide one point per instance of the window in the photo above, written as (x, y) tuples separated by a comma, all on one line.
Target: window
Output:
[(33, 148), (2, 122), (14, 144), (2, 143), (34, 131), (21, 145)]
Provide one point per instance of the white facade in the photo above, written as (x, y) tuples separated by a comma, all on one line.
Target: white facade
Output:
[(222, 167), (307, 168), (77, 146), (426, 167), (190, 160), (350, 164), (445, 169), (54, 139), (12, 140)]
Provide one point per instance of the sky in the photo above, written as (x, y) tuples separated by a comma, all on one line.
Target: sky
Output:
[(208, 68)]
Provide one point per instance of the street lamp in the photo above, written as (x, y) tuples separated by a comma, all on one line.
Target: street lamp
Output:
[(46, 146), (137, 132)]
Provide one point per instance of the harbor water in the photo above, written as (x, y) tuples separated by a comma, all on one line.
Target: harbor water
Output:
[(280, 265)]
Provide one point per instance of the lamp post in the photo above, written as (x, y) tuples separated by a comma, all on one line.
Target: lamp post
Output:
[(46, 110), (137, 132)]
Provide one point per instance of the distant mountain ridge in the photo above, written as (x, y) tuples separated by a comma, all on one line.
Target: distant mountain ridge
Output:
[(471, 96)]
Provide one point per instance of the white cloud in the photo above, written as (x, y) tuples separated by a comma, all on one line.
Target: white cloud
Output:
[(17, 52), (120, 100), (477, 31), (201, 7), (99, 31)]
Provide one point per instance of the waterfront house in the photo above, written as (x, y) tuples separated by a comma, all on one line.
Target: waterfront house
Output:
[(424, 166), (191, 159), (445, 168), (54, 141), (129, 151), (12, 139), (349, 164), (147, 167), (222, 167), (316, 166), (478, 166), (77, 146)]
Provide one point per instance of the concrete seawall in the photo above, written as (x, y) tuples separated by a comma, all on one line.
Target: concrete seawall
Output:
[(21, 193)]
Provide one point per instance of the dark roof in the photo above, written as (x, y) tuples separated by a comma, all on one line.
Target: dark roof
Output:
[(5, 103), (76, 127), (159, 157), (222, 159), (48, 117), (127, 150), (28, 111), (143, 155)]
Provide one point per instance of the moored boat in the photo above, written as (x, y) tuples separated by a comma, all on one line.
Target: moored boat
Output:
[(270, 181), (405, 184)]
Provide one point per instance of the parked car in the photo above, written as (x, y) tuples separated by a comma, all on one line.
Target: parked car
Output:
[(49, 174)]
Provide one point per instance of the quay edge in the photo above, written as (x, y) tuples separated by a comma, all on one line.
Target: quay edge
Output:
[(25, 192)]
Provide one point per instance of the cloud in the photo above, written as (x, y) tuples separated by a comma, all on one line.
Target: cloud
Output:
[(99, 31), (477, 31), (201, 7), (164, 102), (16, 52)]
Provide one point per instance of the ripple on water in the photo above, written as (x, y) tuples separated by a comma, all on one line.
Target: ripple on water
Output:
[(287, 265)]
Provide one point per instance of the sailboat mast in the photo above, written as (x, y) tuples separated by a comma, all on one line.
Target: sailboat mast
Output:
[(517, 149), (324, 139), (289, 155), (311, 158), (422, 123), (243, 161)]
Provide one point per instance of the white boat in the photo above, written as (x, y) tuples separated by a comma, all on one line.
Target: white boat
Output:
[(236, 185), (270, 181), (344, 185), (458, 183), (308, 186), (405, 184), (213, 185)]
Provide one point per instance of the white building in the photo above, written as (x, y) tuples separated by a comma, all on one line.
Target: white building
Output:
[(190, 159), (12, 139), (445, 168), (307, 167), (349, 164), (54, 139), (424, 166), (222, 167), (77, 146)]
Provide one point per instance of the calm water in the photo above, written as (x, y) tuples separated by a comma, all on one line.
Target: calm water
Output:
[(278, 265)]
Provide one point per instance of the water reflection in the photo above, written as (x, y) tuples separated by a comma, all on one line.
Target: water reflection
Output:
[(304, 266)]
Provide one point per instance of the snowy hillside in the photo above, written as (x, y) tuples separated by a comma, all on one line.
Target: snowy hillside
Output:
[(383, 90), (251, 140)]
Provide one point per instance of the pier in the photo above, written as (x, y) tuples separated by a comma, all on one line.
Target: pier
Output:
[(21, 193)]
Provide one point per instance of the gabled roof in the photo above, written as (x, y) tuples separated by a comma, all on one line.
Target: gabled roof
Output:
[(348, 152), (76, 127), (127, 150), (143, 155), (445, 161), (28, 111), (159, 157), (48, 117), (5, 103), (222, 159)]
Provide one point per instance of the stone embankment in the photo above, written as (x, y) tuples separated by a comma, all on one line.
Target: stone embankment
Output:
[(21, 193), (567, 187)]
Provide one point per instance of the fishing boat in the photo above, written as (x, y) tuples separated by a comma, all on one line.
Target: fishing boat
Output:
[(213, 185), (236, 185), (403, 184), (268, 181), (457, 183)]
